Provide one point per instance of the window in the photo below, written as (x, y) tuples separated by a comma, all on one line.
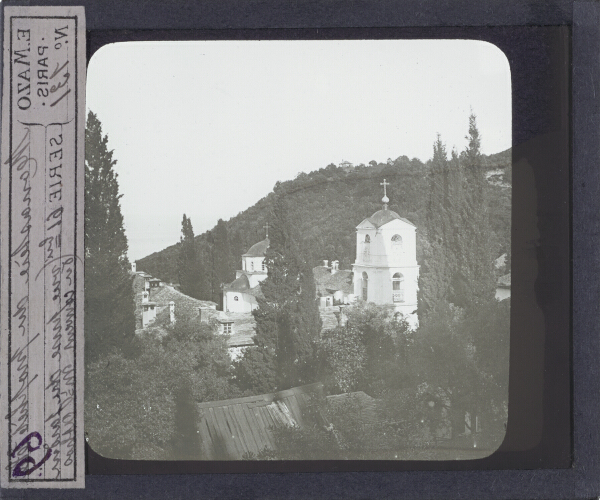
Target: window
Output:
[(235, 298), (251, 265), (227, 328), (367, 249), (396, 244), (263, 266), (365, 286), (398, 288)]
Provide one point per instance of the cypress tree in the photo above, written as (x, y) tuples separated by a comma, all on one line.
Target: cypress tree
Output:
[(189, 268), (109, 295), (435, 278), (221, 260), (289, 303), (474, 282)]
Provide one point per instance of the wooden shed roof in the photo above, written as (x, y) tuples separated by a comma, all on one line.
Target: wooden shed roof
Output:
[(231, 429)]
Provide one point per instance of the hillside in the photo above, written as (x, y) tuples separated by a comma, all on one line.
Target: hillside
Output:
[(330, 202)]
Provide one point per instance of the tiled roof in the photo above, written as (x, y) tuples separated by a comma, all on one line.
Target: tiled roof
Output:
[(382, 217), (243, 326), (183, 303), (231, 429), (258, 249), (240, 284), (328, 283)]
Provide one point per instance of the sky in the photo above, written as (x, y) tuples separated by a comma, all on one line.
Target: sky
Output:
[(208, 128)]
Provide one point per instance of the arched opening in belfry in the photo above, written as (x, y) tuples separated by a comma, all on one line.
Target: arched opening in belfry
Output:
[(367, 248), (398, 287), (365, 286), (396, 244)]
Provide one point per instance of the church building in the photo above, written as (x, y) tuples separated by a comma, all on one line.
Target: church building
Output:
[(240, 295), (386, 269)]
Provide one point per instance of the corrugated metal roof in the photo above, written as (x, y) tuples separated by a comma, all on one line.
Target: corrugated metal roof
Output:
[(231, 429)]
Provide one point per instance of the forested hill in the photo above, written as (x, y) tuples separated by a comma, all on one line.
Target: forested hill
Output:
[(329, 203)]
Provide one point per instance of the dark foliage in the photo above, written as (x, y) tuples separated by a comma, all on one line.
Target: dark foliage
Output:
[(222, 264), (391, 429), (327, 205), (370, 353), (288, 320), (462, 236), (190, 271), (145, 407), (109, 297)]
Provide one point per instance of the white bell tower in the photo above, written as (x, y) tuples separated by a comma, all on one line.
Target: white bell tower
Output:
[(386, 269)]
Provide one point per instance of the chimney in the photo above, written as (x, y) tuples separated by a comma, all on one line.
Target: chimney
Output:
[(341, 317), (145, 296), (133, 267), (335, 266), (203, 314), (172, 311), (325, 263)]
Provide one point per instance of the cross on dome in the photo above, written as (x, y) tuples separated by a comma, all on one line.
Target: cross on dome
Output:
[(385, 199)]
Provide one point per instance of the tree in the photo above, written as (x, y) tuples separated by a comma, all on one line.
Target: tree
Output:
[(109, 296), (436, 276), (342, 359), (458, 256), (474, 280), (387, 337), (256, 372), (221, 260), (145, 407), (443, 359), (489, 329), (348, 429), (130, 404), (189, 268), (288, 307), (369, 353)]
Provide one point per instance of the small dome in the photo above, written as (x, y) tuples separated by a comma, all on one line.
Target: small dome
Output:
[(258, 249), (382, 217), (241, 284)]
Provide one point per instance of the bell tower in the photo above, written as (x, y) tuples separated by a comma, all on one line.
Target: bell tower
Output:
[(386, 269)]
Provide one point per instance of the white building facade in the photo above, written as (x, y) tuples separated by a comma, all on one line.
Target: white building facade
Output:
[(386, 269), (240, 294)]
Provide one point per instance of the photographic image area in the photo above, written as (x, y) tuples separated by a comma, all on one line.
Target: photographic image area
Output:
[(297, 250)]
